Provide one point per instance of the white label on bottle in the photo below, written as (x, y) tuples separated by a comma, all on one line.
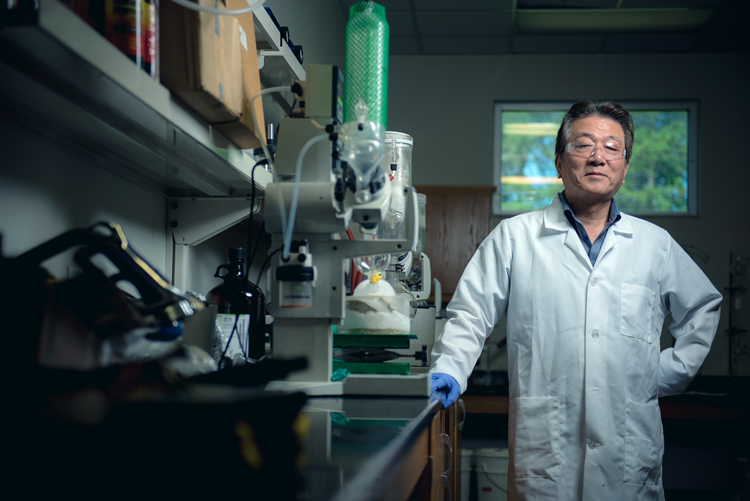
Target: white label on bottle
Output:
[(243, 38), (226, 320)]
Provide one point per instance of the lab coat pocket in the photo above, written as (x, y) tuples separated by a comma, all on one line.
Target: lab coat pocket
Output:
[(643, 447), (534, 436), (636, 303)]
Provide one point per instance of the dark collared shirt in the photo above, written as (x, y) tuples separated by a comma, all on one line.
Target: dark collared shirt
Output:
[(591, 249)]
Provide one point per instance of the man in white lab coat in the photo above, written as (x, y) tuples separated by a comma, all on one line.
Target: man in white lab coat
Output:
[(585, 290)]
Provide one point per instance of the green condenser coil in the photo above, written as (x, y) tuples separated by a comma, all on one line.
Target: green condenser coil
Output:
[(366, 78)]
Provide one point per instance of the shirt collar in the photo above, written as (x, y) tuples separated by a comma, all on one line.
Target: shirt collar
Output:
[(614, 211)]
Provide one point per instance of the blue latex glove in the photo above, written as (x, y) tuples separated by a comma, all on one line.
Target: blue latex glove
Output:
[(445, 388)]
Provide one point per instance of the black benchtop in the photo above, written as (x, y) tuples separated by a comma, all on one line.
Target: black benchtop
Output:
[(356, 445)]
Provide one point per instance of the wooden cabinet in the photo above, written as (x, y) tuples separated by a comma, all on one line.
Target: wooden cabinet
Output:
[(458, 219), (438, 457), (438, 479)]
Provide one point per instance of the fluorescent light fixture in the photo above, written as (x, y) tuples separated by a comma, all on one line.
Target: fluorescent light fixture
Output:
[(563, 21)]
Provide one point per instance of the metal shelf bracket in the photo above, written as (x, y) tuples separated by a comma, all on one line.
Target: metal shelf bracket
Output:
[(194, 220)]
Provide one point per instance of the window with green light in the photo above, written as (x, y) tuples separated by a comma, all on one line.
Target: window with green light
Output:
[(661, 180)]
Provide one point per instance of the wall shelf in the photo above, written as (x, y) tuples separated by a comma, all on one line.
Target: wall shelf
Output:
[(278, 66), (277, 63), (61, 80)]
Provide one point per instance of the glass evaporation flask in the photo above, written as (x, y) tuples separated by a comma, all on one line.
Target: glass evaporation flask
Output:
[(242, 305)]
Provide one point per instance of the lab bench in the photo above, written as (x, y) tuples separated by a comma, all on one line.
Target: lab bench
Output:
[(380, 449)]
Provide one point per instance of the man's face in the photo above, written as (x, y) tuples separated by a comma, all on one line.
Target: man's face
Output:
[(593, 179)]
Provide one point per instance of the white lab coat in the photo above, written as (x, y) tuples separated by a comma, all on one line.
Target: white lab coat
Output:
[(583, 349)]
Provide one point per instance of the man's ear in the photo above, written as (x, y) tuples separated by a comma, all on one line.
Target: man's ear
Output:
[(558, 166), (627, 166)]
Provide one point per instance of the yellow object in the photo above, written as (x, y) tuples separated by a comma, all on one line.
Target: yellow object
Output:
[(377, 277), (249, 449)]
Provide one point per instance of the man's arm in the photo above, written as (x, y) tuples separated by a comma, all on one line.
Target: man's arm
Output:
[(479, 301), (695, 306)]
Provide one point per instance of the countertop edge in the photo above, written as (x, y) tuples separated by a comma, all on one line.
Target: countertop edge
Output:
[(370, 482)]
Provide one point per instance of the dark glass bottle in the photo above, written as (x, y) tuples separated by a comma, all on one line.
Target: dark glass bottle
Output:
[(238, 296)]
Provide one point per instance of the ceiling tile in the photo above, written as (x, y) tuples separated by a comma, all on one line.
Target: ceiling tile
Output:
[(400, 46), (400, 23), (727, 31), (566, 4), (388, 4), (463, 4), (466, 45), (666, 4), (651, 42), (464, 23), (557, 44)]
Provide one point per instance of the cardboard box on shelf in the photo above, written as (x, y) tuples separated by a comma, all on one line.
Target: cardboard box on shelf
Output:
[(242, 132), (201, 61), (211, 63)]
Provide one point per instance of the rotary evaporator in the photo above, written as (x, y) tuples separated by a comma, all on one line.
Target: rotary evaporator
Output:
[(342, 204), (332, 204)]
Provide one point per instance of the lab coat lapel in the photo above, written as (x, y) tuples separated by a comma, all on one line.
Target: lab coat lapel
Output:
[(573, 242), (555, 221), (620, 229)]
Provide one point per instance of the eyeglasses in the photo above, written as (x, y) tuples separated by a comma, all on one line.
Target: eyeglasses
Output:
[(611, 150)]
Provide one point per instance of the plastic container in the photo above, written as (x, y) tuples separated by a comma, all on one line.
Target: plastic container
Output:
[(492, 474), (377, 314), (397, 160), (467, 460), (366, 76), (397, 164)]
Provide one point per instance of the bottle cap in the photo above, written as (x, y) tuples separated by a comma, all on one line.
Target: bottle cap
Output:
[(236, 254)]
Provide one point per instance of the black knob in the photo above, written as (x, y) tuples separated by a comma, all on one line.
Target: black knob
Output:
[(297, 51)]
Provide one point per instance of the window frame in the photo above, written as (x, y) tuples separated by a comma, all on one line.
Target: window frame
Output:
[(693, 189)]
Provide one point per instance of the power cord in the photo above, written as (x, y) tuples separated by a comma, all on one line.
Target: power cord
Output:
[(268, 260), (249, 260)]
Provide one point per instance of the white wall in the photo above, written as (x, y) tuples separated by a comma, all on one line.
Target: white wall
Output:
[(45, 190), (319, 26), (446, 104)]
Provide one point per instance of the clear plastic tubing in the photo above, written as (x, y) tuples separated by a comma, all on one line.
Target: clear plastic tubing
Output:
[(366, 76), (295, 196)]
